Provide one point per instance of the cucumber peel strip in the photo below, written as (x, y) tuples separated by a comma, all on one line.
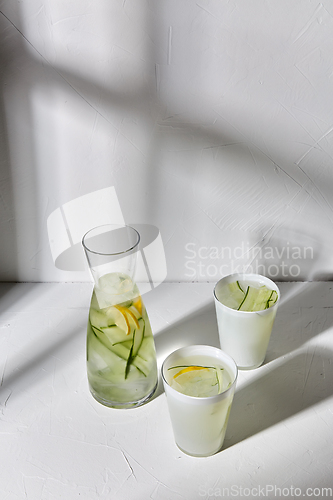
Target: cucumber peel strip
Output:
[(246, 294), (270, 301), (130, 357), (241, 289), (188, 366)]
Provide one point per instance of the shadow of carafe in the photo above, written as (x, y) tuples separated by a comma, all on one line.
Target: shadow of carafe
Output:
[(301, 382)]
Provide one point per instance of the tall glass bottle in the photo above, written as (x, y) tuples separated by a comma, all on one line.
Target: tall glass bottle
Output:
[(121, 357)]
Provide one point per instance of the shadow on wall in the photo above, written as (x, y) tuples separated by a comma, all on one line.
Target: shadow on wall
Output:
[(254, 190), (8, 240), (284, 255), (253, 218), (32, 90)]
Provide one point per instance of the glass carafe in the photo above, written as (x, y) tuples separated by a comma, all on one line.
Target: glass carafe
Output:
[(121, 357)]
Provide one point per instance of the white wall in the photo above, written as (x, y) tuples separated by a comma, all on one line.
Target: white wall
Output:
[(212, 120)]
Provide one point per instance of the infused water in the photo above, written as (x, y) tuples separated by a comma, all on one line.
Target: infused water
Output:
[(121, 357)]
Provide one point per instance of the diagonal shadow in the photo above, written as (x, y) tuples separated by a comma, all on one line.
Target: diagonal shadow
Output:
[(298, 319), (19, 372), (199, 327), (303, 381)]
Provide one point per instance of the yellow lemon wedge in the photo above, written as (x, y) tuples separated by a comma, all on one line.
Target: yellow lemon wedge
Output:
[(189, 369), (123, 312), (132, 315), (197, 381), (127, 313), (138, 304)]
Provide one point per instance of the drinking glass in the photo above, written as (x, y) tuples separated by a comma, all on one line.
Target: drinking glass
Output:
[(199, 422), (244, 335), (121, 357)]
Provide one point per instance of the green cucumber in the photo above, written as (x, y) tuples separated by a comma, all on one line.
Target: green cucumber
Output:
[(236, 292), (98, 319), (244, 299), (138, 337), (257, 299), (123, 350), (272, 299), (116, 334), (130, 358)]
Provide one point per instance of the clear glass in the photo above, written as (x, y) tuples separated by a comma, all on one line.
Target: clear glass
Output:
[(244, 335), (121, 357), (199, 423)]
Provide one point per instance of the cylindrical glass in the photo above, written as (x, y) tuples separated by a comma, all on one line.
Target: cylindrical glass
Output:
[(121, 357), (244, 335), (199, 422)]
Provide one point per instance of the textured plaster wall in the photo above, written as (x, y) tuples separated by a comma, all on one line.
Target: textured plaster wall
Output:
[(211, 120)]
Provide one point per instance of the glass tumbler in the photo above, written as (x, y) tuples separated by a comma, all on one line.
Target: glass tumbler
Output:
[(199, 423), (244, 335)]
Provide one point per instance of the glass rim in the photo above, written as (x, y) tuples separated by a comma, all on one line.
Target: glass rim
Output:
[(208, 399), (248, 275), (115, 226)]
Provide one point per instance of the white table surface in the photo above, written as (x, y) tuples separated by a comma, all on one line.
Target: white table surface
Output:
[(57, 442)]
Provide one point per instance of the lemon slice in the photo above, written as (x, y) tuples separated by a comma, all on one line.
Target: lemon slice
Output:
[(132, 317), (137, 303), (197, 381), (116, 316)]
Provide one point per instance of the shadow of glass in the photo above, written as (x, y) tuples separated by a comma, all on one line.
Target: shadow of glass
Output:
[(303, 381), (305, 311), (200, 327)]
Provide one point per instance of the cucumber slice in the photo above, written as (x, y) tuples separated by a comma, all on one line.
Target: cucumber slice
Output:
[(147, 350), (98, 319), (138, 337), (101, 358), (130, 359), (123, 350), (219, 376), (120, 349), (257, 299), (237, 294), (116, 335), (272, 299), (243, 300)]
